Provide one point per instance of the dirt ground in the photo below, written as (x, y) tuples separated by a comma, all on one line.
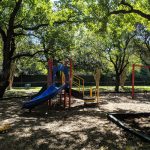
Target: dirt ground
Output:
[(80, 128), (140, 124)]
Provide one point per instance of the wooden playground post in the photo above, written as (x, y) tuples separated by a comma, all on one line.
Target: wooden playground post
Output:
[(97, 79), (91, 92)]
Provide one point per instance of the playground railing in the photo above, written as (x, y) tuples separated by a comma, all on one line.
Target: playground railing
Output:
[(79, 82), (91, 92)]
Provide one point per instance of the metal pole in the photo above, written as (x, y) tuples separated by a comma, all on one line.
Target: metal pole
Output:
[(49, 77), (133, 78), (64, 99), (50, 72), (70, 83)]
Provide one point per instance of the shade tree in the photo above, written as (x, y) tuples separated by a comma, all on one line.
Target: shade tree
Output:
[(118, 52), (23, 18), (16, 19), (142, 43)]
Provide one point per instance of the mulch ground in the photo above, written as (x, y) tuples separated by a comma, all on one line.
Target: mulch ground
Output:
[(85, 128), (139, 124)]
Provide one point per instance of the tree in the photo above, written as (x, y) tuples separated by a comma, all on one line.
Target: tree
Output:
[(23, 18), (123, 16), (142, 43), (118, 52), (17, 19), (88, 50)]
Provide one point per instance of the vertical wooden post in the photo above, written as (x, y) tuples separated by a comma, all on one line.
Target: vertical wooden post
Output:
[(97, 80), (91, 92), (133, 78), (83, 87)]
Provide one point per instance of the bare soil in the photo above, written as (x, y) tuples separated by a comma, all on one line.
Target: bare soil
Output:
[(78, 128)]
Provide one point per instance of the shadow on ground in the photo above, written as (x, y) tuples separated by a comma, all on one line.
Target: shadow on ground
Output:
[(77, 128)]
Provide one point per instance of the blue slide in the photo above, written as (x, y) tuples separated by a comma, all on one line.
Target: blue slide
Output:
[(49, 93)]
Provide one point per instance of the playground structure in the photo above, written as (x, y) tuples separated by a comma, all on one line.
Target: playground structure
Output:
[(92, 98), (62, 86), (66, 78), (133, 76)]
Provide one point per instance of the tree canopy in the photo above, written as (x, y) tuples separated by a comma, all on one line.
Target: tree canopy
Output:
[(91, 32)]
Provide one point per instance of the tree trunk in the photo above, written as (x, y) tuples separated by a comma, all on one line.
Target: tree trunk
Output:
[(5, 75), (11, 78), (117, 83), (8, 39), (10, 83), (3, 87), (4, 81), (123, 76)]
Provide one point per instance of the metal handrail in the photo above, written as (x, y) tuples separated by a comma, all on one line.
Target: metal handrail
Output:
[(75, 83), (79, 79)]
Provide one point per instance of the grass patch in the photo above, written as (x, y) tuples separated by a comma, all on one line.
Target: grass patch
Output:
[(111, 88), (22, 91)]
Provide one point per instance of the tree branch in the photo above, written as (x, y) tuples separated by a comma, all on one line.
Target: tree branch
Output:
[(18, 56), (13, 14), (124, 51), (128, 41), (31, 28), (25, 34), (36, 27), (2, 32), (132, 10), (126, 4)]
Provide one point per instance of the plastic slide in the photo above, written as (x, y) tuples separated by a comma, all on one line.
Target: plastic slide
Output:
[(40, 91), (49, 93)]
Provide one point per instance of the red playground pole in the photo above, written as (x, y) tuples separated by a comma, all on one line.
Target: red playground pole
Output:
[(65, 94), (70, 83), (50, 68), (50, 77), (64, 99), (133, 78)]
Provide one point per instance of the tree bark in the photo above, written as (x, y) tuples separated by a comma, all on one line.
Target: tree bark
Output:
[(8, 49), (11, 78), (4, 77), (117, 82), (123, 77)]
